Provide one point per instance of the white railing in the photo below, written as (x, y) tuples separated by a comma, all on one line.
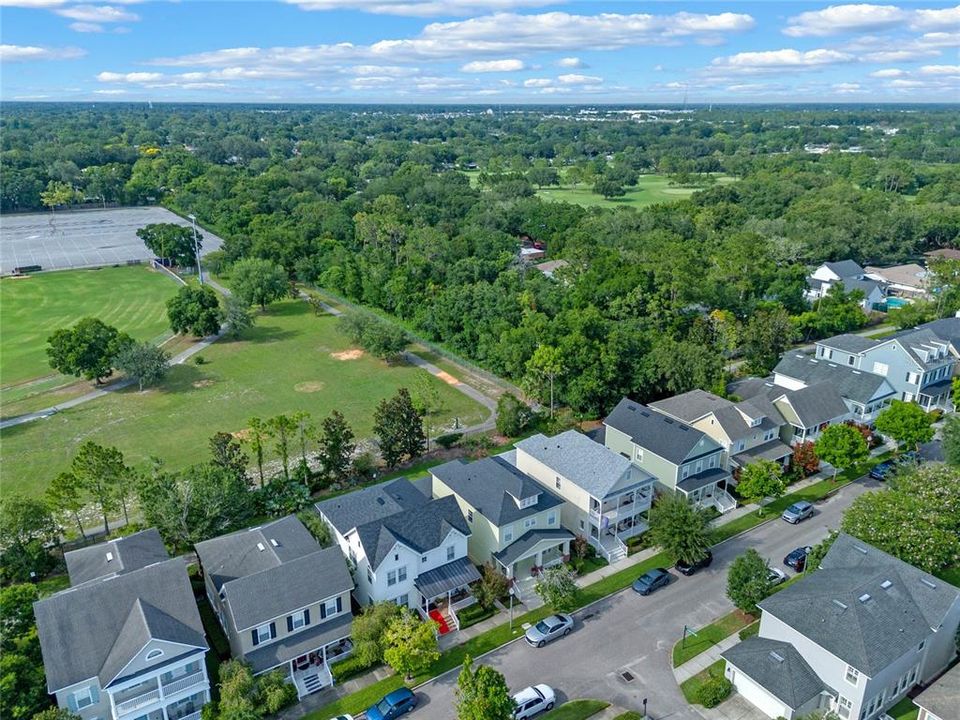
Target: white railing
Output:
[(723, 501), (466, 602), (191, 716), (453, 616), (181, 684), (147, 698)]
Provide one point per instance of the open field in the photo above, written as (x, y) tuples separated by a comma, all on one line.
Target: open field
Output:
[(650, 189), (131, 298), (292, 360)]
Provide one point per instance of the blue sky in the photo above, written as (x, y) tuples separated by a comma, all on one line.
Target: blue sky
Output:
[(479, 51)]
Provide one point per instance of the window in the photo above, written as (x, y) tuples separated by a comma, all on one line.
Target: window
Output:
[(922, 645), (83, 697), (853, 675), (712, 461), (850, 360), (820, 351), (402, 573), (529, 522), (369, 575), (557, 482), (880, 368), (330, 607), (582, 526), (391, 578), (451, 552), (552, 519), (638, 454), (469, 515), (263, 634), (298, 620), (154, 654), (770, 434), (829, 354), (913, 378), (423, 558), (740, 445), (844, 706), (685, 472), (403, 600), (508, 533)]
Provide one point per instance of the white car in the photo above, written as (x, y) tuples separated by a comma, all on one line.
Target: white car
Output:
[(775, 576), (532, 701)]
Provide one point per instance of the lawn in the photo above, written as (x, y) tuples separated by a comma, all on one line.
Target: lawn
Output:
[(904, 710), (649, 190), (576, 710), (131, 298), (690, 686), (709, 635), (291, 360)]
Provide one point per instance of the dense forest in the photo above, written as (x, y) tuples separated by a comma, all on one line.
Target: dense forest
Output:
[(372, 204)]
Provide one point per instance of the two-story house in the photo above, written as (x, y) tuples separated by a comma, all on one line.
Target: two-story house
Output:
[(406, 548), (917, 363), (125, 641), (851, 276), (283, 601), (607, 498), (681, 458), (853, 637), (748, 430), (515, 522)]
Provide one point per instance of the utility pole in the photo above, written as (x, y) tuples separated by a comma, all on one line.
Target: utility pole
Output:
[(196, 247)]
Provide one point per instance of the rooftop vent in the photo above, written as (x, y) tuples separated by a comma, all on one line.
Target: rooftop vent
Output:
[(776, 657), (860, 549), (109, 557), (668, 421), (380, 501), (886, 584), (260, 547), (645, 413), (928, 582), (274, 542), (864, 598), (839, 604)]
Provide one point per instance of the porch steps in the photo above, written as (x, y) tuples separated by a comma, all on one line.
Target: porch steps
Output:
[(312, 683), (617, 554)]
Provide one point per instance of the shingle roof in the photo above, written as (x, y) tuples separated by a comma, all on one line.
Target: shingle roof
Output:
[(946, 328), (300, 643), (690, 406), (922, 338), (813, 405), (526, 542), (845, 268), (942, 697), (864, 606), (123, 554), (851, 383), (848, 343), (420, 528), (359, 507), (778, 668), (589, 465), (702, 479), (654, 431), (96, 628), (493, 486), (772, 450), (909, 275), (867, 287)]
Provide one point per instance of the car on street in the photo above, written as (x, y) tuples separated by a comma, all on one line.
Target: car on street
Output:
[(775, 576), (392, 706), (549, 629), (909, 458), (881, 470), (797, 559), (688, 569), (533, 701), (797, 512), (651, 580)]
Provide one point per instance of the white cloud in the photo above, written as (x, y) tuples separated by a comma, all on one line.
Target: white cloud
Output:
[(940, 70), (888, 73), (940, 39), (485, 66), (97, 14), (579, 79), (23, 53), (133, 77), (391, 70), (775, 60), (85, 27), (31, 3), (537, 82), (421, 8), (571, 62), (846, 88), (942, 19), (901, 55), (111, 91), (564, 82), (838, 19)]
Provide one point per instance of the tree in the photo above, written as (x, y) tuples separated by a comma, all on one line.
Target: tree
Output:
[(305, 429), (399, 428), (608, 188), (747, 582), (27, 528), (64, 494), (679, 528), (907, 423), (492, 586), (172, 242), (764, 338), (804, 459), (256, 435), (951, 440), (891, 519), (513, 416), (258, 282), (558, 588), (57, 193), (761, 479), (237, 317), (226, 453), (100, 472), (955, 393), (482, 694), (281, 428), (144, 362), (88, 349), (16, 612), (545, 365), (237, 692), (411, 644), (842, 446), (368, 631), (195, 310), (56, 713), (819, 551), (336, 447), (23, 691)]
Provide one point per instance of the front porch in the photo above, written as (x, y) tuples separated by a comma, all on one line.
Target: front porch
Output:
[(708, 489), (526, 557), (443, 591), (618, 517), (936, 395)]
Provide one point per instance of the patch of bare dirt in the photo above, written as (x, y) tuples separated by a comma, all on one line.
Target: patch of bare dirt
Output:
[(310, 386), (202, 383), (447, 378), (347, 355)]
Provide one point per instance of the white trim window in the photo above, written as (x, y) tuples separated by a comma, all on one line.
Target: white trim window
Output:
[(508, 534), (469, 515), (83, 697), (451, 552), (880, 368), (552, 519), (529, 522), (638, 453), (844, 706), (264, 633), (852, 675), (298, 620), (331, 607), (402, 573), (391, 578)]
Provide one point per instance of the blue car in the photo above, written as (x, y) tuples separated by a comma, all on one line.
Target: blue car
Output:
[(881, 470), (397, 703), (650, 581)]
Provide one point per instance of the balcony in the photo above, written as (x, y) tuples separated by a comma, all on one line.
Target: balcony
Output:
[(191, 716), (181, 684), (138, 701), (614, 512)]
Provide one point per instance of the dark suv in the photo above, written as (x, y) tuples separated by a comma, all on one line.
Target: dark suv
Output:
[(797, 559), (690, 568)]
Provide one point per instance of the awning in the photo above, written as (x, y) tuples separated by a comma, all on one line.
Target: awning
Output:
[(527, 545), (773, 450), (445, 578), (934, 389), (701, 480), (301, 643)]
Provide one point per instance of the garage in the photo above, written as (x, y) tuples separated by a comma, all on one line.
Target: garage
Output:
[(763, 700)]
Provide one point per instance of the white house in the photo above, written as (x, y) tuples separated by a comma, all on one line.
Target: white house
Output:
[(851, 275)]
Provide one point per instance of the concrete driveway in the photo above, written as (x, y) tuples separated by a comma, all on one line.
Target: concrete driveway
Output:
[(626, 632)]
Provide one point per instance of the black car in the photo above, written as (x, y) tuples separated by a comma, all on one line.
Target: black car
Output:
[(650, 581), (797, 559), (881, 470), (690, 568)]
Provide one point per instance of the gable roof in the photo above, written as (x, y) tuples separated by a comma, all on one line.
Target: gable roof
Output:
[(853, 384), (96, 628), (909, 275), (845, 268), (947, 253), (690, 406), (345, 512), (778, 668), (945, 328), (420, 528), (848, 343), (591, 466), (493, 486), (864, 606), (669, 438), (920, 342), (942, 697), (812, 405), (123, 554)]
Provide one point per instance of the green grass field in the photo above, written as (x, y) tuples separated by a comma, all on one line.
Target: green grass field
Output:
[(129, 298), (649, 190), (286, 363)]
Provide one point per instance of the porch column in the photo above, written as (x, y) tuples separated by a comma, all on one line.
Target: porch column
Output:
[(540, 558), (565, 547)]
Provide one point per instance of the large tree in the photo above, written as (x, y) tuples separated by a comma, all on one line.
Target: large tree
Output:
[(411, 644), (144, 362), (258, 282), (543, 369), (951, 440), (101, 472), (842, 446), (171, 241), (399, 428), (368, 631), (513, 415), (747, 581), (27, 529), (761, 479), (335, 447), (65, 494), (764, 337), (195, 309), (679, 528), (88, 349), (907, 423), (23, 692), (281, 428), (557, 587), (226, 453), (237, 317), (482, 694)]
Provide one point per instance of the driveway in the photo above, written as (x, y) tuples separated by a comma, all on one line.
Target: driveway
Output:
[(627, 632)]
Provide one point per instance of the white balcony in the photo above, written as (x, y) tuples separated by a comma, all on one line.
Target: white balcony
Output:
[(191, 716), (183, 683), (140, 701)]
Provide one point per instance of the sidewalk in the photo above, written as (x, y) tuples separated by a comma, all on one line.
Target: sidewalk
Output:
[(705, 659)]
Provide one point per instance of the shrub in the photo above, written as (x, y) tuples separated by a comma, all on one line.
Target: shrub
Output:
[(275, 692), (351, 667), (199, 360), (449, 440), (714, 691)]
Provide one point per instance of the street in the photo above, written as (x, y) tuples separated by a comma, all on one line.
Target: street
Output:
[(636, 634)]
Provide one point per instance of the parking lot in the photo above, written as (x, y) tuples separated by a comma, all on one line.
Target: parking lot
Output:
[(82, 238)]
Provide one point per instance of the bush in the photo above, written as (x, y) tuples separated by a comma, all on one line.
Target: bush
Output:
[(275, 692), (449, 440), (513, 416), (199, 360), (351, 667), (935, 414), (714, 691)]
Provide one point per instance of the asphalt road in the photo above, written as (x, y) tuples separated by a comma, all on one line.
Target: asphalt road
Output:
[(629, 632)]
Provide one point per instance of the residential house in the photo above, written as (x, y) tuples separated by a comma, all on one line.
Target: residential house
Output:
[(606, 498), (917, 363), (854, 637), (941, 699), (549, 267), (908, 281), (850, 275), (864, 393), (125, 641), (942, 254), (406, 548), (808, 411), (515, 521), (283, 601), (748, 430)]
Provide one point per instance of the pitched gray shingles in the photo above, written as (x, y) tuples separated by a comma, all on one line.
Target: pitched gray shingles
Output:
[(778, 668), (845, 268), (523, 544), (124, 554), (942, 697), (814, 404), (856, 385), (348, 511), (848, 343), (691, 406), (668, 438)]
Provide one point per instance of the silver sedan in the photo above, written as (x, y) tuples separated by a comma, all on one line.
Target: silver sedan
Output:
[(550, 628)]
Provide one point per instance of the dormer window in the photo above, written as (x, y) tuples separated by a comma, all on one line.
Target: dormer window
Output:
[(756, 422), (529, 501)]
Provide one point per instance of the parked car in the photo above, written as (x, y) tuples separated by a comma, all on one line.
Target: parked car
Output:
[(690, 568), (881, 470), (797, 512), (775, 576), (797, 559), (909, 458), (548, 629), (533, 700), (651, 580), (397, 703)]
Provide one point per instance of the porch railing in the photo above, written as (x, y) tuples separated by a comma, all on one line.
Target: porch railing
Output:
[(135, 703), (191, 716), (181, 684), (466, 602)]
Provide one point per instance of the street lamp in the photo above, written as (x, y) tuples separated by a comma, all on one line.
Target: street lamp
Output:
[(644, 709), (511, 609), (196, 247)]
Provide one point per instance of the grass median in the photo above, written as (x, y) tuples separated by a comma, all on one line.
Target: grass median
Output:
[(709, 635), (576, 710)]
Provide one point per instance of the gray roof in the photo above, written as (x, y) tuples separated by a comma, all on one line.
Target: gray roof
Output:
[(848, 343), (493, 487), (420, 529), (942, 697), (864, 606), (921, 338), (867, 287), (946, 328), (300, 643), (852, 384), (271, 570), (95, 629), (750, 387), (124, 554), (452, 575), (772, 450), (669, 438), (690, 406), (814, 404), (702, 479), (589, 465), (845, 268), (359, 507), (732, 420), (526, 542), (778, 668)]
